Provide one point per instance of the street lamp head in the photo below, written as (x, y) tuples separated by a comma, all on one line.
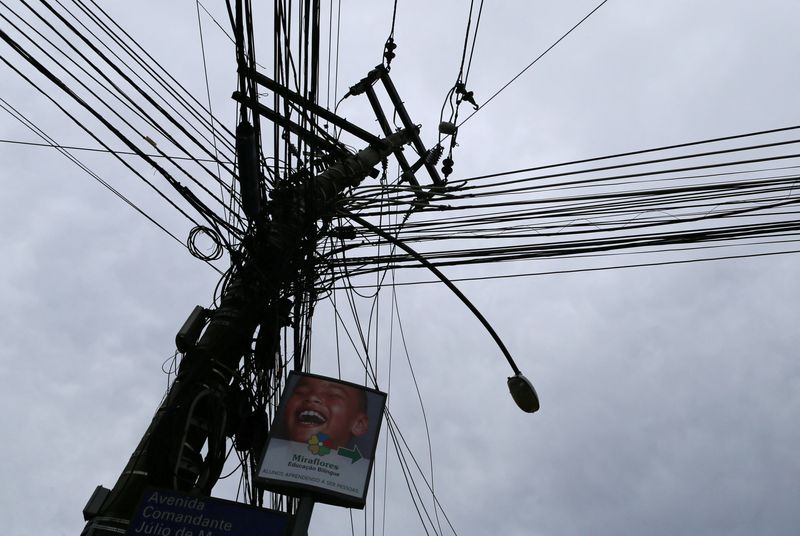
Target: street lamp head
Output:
[(523, 393)]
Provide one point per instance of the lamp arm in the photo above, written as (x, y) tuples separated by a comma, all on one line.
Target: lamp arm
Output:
[(427, 264)]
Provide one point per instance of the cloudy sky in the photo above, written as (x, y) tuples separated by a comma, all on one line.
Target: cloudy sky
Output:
[(669, 395)]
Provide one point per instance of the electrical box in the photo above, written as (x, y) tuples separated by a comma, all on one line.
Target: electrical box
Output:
[(95, 503)]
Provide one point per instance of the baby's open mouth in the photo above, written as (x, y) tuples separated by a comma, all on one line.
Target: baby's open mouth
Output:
[(311, 417)]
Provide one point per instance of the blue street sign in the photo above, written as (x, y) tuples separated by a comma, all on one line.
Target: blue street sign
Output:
[(170, 513)]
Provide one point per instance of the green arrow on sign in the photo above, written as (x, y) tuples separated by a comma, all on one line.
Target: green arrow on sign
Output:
[(354, 454)]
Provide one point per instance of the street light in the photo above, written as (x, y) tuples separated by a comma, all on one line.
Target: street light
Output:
[(521, 388)]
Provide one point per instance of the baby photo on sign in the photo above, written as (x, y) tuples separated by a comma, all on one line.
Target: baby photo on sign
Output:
[(323, 440)]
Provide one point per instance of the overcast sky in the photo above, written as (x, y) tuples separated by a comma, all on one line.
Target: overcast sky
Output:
[(670, 395)]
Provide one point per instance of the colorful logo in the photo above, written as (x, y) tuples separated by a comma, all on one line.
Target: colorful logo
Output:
[(320, 444)]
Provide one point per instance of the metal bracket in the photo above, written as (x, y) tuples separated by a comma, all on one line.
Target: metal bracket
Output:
[(365, 85)]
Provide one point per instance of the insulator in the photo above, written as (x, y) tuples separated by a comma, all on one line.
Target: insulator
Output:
[(388, 50), (447, 128), (434, 155), (364, 83), (447, 166)]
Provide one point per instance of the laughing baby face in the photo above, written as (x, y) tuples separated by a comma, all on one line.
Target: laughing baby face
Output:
[(333, 409)]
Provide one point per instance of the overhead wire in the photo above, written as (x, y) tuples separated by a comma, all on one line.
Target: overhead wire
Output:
[(100, 150), (134, 150), (61, 84), (184, 192), (392, 425), (637, 152), (208, 90), (532, 63), (169, 84), (565, 271), (167, 89), (416, 496), (599, 217), (51, 142), (178, 124), (396, 308), (4, 36)]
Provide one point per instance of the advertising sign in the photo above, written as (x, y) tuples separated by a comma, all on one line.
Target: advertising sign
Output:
[(323, 440), (171, 513)]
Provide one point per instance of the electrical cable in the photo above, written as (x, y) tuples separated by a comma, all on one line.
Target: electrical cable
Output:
[(99, 150), (166, 87), (69, 72), (421, 406), (5, 37), (50, 142), (183, 191), (127, 79), (208, 97), (531, 64), (168, 84)]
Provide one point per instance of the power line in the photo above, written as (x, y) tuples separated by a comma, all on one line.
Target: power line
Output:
[(138, 89), (540, 56), (83, 84), (204, 211), (169, 86), (63, 150), (101, 150), (582, 270)]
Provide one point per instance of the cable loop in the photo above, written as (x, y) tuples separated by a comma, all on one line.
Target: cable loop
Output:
[(216, 252)]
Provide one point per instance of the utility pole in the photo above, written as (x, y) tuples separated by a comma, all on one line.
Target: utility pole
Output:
[(195, 410), (274, 255), (272, 262)]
